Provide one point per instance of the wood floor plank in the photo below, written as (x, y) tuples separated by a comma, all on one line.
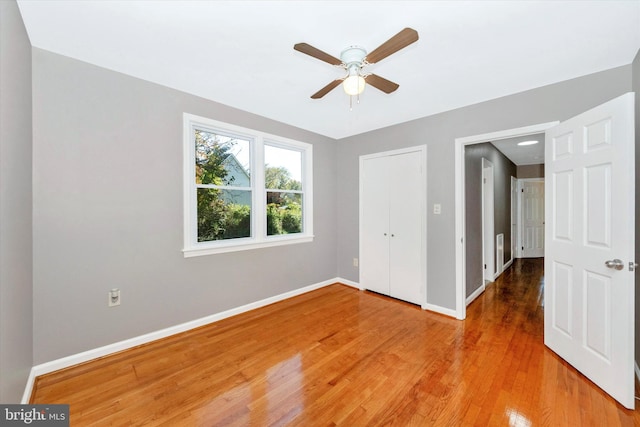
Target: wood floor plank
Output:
[(343, 357)]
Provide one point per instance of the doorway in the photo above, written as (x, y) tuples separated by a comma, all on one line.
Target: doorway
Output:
[(588, 293), (460, 206), (532, 218)]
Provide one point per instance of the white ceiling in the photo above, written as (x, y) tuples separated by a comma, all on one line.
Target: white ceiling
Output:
[(522, 154), (240, 53)]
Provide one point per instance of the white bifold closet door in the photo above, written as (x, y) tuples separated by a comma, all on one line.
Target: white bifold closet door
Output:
[(392, 225)]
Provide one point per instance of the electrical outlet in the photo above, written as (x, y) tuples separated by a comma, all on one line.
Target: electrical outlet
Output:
[(355, 262), (114, 297)]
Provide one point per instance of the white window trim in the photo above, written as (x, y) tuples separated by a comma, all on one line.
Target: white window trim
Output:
[(259, 238)]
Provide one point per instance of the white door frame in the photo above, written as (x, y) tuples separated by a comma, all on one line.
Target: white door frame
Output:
[(459, 145), (488, 223), (515, 222)]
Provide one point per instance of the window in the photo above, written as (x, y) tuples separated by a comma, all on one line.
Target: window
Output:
[(243, 189), (283, 185)]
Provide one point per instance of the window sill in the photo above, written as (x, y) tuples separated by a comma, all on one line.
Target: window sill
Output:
[(224, 247)]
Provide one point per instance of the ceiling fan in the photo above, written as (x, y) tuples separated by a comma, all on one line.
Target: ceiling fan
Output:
[(354, 58)]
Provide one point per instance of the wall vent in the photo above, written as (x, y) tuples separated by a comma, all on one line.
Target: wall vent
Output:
[(499, 253)]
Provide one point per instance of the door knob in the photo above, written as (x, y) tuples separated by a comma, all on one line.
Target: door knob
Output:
[(616, 264)]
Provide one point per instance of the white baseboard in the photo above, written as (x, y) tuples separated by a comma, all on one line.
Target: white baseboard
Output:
[(431, 307), (88, 355), (348, 282), (475, 294), (499, 273), (507, 265), (442, 310), (26, 396)]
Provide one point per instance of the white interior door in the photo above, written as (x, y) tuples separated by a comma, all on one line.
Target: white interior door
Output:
[(406, 215), (589, 303), (488, 235), (374, 224), (532, 219)]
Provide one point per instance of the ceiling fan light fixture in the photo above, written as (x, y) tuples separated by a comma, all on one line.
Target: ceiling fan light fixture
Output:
[(353, 85)]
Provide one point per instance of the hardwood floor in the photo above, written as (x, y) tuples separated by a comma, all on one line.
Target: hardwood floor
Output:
[(339, 356)]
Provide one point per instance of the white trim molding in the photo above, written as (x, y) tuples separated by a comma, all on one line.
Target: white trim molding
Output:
[(441, 310), (28, 390), (475, 294), (508, 264), (348, 282)]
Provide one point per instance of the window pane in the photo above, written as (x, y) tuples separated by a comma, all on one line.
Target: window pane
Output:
[(222, 160), (284, 213), (283, 168), (223, 214)]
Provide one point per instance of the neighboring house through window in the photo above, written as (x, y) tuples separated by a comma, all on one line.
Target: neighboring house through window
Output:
[(243, 189)]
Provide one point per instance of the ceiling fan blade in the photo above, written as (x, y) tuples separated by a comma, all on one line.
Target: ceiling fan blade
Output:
[(387, 86), (325, 90), (401, 40), (316, 53)]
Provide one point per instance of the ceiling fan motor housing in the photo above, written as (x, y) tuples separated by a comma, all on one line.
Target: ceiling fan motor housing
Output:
[(353, 55)]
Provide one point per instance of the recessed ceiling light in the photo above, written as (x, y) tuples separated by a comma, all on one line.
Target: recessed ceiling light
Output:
[(528, 142)]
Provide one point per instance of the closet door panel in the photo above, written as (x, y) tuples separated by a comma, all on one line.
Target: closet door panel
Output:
[(405, 222), (374, 247)]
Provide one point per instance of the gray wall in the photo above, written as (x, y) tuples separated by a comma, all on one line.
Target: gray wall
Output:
[(107, 212), (554, 102), (636, 89), (530, 171), (16, 327), (107, 202), (503, 170)]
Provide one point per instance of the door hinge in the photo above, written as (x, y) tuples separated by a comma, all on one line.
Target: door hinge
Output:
[(485, 266)]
